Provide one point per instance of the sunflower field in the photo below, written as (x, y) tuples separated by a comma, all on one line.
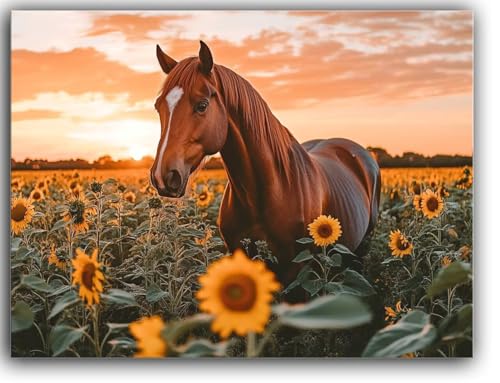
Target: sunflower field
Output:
[(103, 267)]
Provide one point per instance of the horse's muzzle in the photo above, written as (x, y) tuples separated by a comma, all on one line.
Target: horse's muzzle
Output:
[(171, 185)]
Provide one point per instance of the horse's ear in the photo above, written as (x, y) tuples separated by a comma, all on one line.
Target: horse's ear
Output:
[(206, 60), (167, 63)]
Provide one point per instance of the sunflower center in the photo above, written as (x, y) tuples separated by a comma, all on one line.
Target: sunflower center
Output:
[(36, 195), (88, 275), (325, 230), (18, 212), (432, 204), (402, 243), (203, 196), (238, 292)]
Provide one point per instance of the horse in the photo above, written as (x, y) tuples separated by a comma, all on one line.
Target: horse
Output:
[(276, 186)]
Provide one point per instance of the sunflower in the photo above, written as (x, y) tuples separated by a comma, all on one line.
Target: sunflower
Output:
[(204, 198), (417, 202), (78, 213), (21, 214), (325, 230), (432, 204), (391, 315), (76, 192), (73, 184), (147, 333), (37, 194), (40, 184), (443, 192), (56, 260), (88, 275), (16, 184), (238, 292), (129, 196), (445, 261), (399, 244)]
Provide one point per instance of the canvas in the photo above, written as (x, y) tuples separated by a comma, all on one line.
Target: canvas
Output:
[(241, 184)]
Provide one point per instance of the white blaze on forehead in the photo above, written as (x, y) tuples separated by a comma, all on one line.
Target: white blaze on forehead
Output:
[(173, 97)]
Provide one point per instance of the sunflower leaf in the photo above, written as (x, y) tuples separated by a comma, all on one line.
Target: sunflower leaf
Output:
[(413, 332), (333, 312), (454, 274), (21, 317), (305, 240), (303, 256), (119, 297), (35, 283), (202, 347), (63, 336), (65, 301), (154, 294)]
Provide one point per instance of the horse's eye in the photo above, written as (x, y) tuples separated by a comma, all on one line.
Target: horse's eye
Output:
[(202, 106)]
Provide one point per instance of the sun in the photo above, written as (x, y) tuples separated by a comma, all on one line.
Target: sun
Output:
[(137, 152)]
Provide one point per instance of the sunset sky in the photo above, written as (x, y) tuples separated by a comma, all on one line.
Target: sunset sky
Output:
[(84, 83)]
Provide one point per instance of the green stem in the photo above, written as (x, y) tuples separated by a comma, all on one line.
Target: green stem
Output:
[(251, 345)]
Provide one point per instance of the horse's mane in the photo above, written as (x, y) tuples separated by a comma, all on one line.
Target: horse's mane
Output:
[(255, 116)]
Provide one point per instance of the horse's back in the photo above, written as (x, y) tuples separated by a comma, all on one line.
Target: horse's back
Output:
[(354, 179)]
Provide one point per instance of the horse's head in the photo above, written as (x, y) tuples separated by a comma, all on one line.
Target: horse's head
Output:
[(193, 120)]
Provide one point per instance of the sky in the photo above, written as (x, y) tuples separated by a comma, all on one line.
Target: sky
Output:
[(84, 82)]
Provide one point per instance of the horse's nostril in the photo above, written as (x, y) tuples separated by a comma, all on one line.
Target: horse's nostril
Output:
[(173, 180)]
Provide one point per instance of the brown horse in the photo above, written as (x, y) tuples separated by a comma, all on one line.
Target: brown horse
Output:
[(276, 185)]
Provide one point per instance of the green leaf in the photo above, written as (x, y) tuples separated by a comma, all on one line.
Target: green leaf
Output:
[(334, 312), (305, 240), (15, 243), (119, 297), (454, 274), (65, 301), (339, 248), (59, 225), (63, 336), (413, 332), (390, 260), (154, 294), (304, 255), (313, 287), (176, 329), (35, 283), (21, 317), (357, 284), (202, 347), (457, 324)]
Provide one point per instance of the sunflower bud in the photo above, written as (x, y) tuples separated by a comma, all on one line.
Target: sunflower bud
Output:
[(154, 203), (452, 233), (96, 187)]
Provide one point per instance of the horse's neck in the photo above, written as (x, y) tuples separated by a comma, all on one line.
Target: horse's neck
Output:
[(256, 165)]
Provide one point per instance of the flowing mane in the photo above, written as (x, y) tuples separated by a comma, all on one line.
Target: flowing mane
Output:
[(256, 118)]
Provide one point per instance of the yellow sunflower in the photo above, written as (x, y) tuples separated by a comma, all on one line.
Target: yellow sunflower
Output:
[(399, 244), (446, 261), (21, 214), (325, 230), (417, 200), (204, 198), (88, 275), (56, 260), (37, 194), (147, 333), (129, 196), (73, 184), (78, 213), (16, 184), (40, 184), (237, 292), (391, 315), (432, 204)]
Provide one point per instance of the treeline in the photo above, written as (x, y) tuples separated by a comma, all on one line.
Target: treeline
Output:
[(416, 160), (384, 159)]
